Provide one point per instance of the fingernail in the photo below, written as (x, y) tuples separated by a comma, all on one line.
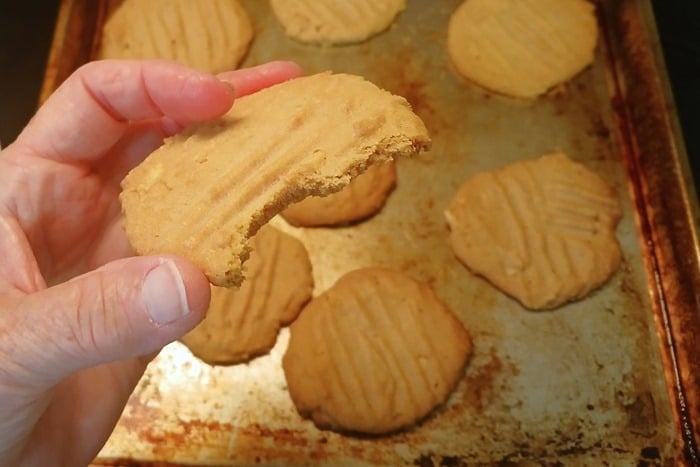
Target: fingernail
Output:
[(229, 84), (163, 294)]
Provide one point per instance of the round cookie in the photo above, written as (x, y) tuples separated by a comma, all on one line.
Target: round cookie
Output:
[(374, 353), (211, 35), (243, 323), (364, 196), (542, 231), (332, 22), (522, 48), (207, 190)]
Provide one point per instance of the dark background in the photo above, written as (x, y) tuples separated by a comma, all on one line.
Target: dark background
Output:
[(26, 29)]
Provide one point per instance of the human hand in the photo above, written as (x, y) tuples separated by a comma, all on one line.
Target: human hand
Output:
[(79, 321)]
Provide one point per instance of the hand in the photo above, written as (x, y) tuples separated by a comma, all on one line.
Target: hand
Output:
[(79, 321)]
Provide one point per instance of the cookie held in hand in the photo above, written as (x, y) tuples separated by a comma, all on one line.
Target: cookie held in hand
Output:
[(206, 191)]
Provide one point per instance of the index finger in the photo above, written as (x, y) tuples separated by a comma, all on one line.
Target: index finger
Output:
[(90, 111)]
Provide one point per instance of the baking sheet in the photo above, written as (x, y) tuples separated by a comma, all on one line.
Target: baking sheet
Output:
[(589, 383)]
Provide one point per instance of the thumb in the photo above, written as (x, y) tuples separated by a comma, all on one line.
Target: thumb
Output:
[(127, 308)]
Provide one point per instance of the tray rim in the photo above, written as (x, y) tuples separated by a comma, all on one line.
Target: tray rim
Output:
[(662, 231)]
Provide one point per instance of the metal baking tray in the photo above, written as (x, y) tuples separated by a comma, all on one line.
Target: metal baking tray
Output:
[(613, 379)]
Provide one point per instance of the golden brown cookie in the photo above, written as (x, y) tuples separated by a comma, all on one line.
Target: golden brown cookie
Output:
[(364, 196), (243, 323), (207, 190), (543, 231), (332, 22), (211, 35), (522, 48), (374, 353)]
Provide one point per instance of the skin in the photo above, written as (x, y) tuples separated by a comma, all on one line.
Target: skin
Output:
[(75, 332)]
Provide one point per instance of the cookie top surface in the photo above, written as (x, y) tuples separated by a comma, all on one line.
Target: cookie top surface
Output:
[(374, 353), (331, 22), (204, 192), (362, 197), (542, 230), (243, 323), (211, 35), (522, 48)]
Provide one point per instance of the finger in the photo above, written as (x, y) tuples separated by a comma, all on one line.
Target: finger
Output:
[(249, 80), (111, 245), (16, 250), (128, 308), (95, 398), (138, 141), (91, 110), (142, 138)]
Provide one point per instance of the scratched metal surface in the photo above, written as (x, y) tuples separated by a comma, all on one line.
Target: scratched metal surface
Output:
[(583, 384)]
